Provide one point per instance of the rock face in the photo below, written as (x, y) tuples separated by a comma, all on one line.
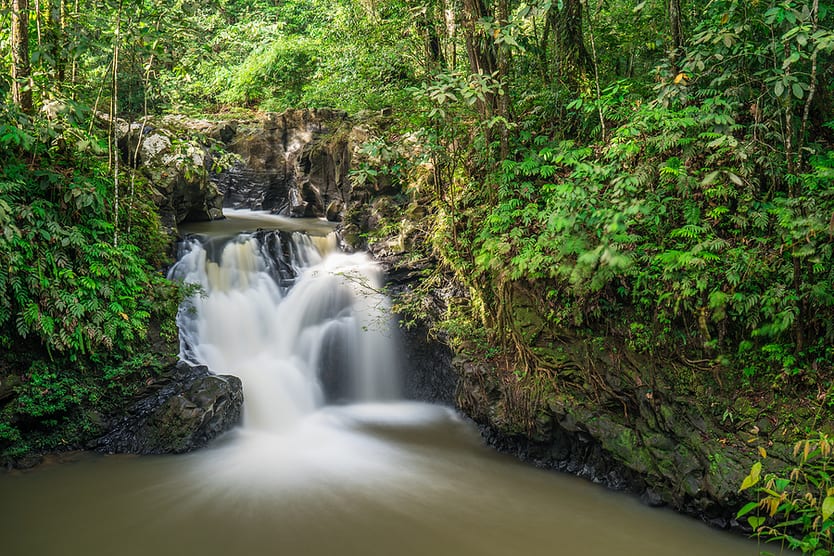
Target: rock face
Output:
[(295, 164), (428, 374), (178, 168), (610, 415), (187, 411)]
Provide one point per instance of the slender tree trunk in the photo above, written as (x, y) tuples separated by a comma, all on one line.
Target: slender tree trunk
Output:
[(481, 58), (480, 50), (812, 81), (595, 62), (676, 35), (56, 38), (543, 59), (571, 53), (21, 70), (504, 79), (114, 111), (74, 65)]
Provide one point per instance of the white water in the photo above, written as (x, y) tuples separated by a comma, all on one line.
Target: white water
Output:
[(325, 334)]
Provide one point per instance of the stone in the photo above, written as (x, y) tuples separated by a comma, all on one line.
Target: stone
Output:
[(188, 410), (179, 177), (334, 211), (293, 163), (651, 498)]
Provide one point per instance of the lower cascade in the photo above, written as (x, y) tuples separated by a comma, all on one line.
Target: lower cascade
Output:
[(301, 324)]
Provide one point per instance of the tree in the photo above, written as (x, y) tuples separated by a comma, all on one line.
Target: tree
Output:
[(571, 54), (676, 34), (21, 70)]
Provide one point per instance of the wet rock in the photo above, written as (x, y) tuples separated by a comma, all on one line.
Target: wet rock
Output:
[(8, 384), (295, 163), (27, 462), (187, 410), (428, 374), (651, 498), (334, 211)]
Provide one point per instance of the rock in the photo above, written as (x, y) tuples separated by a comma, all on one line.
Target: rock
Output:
[(334, 211), (294, 163), (428, 374), (8, 384), (651, 498), (28, 461), (178, 174), (187, 411)]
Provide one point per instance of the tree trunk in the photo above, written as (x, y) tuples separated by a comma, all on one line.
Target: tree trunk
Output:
[(56, 38), (571, 53), (480, 49), (21, 71), (481, 55), (503, 77), (676, 32)]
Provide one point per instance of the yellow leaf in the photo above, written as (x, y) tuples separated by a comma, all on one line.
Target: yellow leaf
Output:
[(680, 77), (762, 452), (725, 18), (124, 316), (753, 477)]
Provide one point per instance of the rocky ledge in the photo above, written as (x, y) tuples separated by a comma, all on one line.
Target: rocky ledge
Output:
[(188, 409)]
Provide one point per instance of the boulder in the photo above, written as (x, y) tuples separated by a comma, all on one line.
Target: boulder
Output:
[(178, 169), (296, 163), (186, 411), (334, 211)]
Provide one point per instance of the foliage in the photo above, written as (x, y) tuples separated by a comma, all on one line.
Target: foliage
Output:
[(75, 308), (795, 508), (63, 281)]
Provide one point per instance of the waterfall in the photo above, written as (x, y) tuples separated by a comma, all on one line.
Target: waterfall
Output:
[(301, 327)]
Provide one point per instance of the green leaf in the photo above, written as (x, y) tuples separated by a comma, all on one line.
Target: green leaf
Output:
[(778, 89), (734, 178), (749, 507), (709, 178), (798, 91), (755, 522)]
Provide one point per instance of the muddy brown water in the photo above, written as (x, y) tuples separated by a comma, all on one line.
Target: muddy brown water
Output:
[(364, 480)]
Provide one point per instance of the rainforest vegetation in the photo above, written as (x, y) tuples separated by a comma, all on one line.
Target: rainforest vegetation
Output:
[(658, 174)]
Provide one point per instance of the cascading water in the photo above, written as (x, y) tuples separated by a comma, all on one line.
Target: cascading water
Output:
[(300, 328)]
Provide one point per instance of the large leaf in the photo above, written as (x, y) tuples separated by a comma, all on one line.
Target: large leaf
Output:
[(753, 478), (750, 506), (827, 507), (755, 522)]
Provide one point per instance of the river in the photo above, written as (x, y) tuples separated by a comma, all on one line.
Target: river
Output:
[(329, 460)]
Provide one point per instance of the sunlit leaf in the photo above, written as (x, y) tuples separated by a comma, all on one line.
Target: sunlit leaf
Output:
[(753, 478)]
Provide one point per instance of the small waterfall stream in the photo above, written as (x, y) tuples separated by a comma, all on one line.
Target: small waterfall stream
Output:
[(300, 328)]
